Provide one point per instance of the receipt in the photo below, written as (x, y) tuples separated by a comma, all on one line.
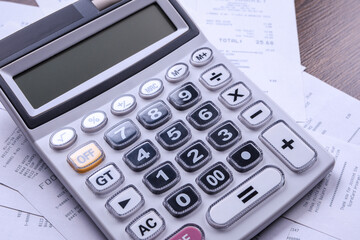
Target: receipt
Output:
[(333, 205), (11, 198), (20, 225), (285, 229), (23, 170), (337, 116), (261, 41), (16, 16), (50, 6)]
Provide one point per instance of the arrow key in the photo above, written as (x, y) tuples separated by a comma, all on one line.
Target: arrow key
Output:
[(125, 202)]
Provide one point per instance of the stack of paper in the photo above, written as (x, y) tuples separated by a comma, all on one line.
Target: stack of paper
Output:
[(258, 36)]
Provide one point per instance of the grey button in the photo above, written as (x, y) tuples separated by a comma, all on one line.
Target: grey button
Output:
[(93, 122), (235, 96), (123, 105), (151, 88), (147, 226), (216, 77), (177, 72), (245, 197), (62, 138), (125, 202), (201, 57), (105, 180), (256, 115), (284, 142)]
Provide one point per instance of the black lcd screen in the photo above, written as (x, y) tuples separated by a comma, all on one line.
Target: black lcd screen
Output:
[(84, 60)]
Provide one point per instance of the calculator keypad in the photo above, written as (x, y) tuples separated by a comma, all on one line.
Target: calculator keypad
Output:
[(204, 116), (123, 105), (215, 178), (194, 156), (151, 88), (182, 201), (63, 138), (185, 96), (94, 122), (224, 136), (235, 96), (154, 115), (177, 72), (125, 202), (142, 156), (162, 178), (201, 57), (174, 136), (246, 196), (86, 157), (289, 146), (147, 226), (245, 157), (105, 180), (188, 232), (122, 134), (256, 115), (216, 77)]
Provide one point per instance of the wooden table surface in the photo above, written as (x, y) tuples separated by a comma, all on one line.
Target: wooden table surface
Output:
[(329, 37)]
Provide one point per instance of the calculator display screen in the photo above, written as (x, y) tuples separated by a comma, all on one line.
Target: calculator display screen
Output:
[(84, 60)]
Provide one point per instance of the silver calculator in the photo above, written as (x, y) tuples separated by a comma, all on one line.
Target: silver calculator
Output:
[(152, 130)]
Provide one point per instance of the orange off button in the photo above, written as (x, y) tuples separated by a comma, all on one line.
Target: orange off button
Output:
[(86, 157)]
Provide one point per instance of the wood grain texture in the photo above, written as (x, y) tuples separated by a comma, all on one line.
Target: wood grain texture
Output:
[(329, 36)]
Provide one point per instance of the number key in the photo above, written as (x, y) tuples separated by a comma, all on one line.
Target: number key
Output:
[(194, 156), (174, 136), (122, 134), (182, 201), (215, 178), (142, 156), (162, 178), (205, 116), (185, 96), (154, 115), (224, 136)]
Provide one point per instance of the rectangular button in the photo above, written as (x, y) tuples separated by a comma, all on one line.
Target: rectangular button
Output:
[(147, 226), (249, 194), (284, 142), (105, 179), (86, 157)]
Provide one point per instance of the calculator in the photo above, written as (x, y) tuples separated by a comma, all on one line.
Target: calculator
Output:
[(150, 128)]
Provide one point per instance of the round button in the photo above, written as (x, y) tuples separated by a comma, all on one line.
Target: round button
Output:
[(201, 57), (151, 88), (94, 122), (123, 105), (177, 72), (62, 138)]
